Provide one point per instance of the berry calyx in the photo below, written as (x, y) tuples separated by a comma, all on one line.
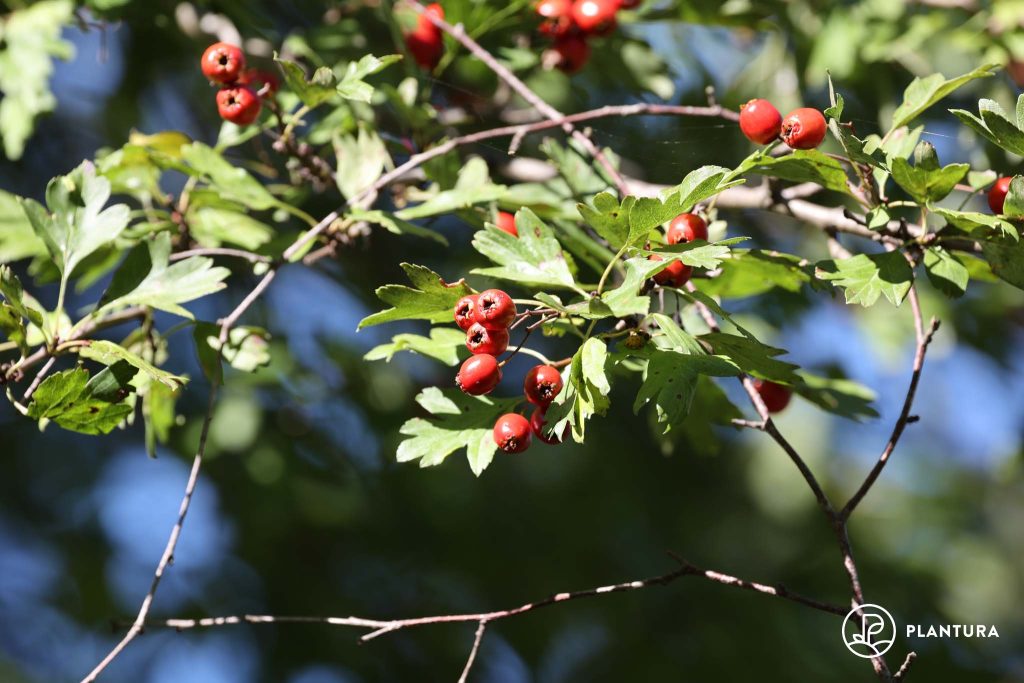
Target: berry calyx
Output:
[(222, 62), (479, 375), (686, 227), (465, 312), (538, 423), (495, 309), (803, 128), (479, 339), (542, 384), (571, 53), (507, 222), (512, 433), (675, 274), (595, 16), (775, 396), (997, 194), (263, 83), (760, 121), (557, 17), (238, 104)]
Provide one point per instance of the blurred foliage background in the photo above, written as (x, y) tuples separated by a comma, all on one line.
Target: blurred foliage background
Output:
[(302, 509)]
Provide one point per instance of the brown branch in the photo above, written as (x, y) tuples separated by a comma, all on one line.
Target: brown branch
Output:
[(924, 339), (252, 257), (472, 653), (172, 544), (907, 663)]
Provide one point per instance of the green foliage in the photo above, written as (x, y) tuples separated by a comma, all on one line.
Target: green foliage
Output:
[(443, 344), (430, 298), (922, 93), (82, 404), (533, 259), (865, 277)]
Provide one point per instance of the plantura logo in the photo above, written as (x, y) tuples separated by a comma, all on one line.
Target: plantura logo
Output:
[(869, 631)]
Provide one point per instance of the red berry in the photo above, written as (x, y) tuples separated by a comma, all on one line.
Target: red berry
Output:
[(557, 16), (760, 121), (223, 62), (507, 222), (629, 4), (479, 375), (537, 424), (775, 396), (465, 312), (495, 309), (239, 105), (997, 194), (542, 384), (595, 16), (264, 83), (803, 128), (425, 42), (675, 274), (571, 53), (512, 433), (686, 227), (479, 339)]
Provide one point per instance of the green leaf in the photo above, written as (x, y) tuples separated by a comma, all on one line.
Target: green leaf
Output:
[(574, 166), (214, 226), (109, 353), (922, 93), (977, 224), (76, 224), (865, 277), (31, 37), (158, 414), (313, 92), (533, 259), (994, 125), (246, 349), (753, 272), (473, 187), (1013, 204), (80, 404), (146, 279), (430, 298), (10, 288), (670, 382), (675, 338), (585, 393), (459, 421), (698, 254), (443, 344), (609, 218), (927, 181), (353, 86), (842, 397), (13, 326), (802, 166), (751, 356), (17, 238), (1006, 257), (396, 225), (945, 271), (649, 212), (209, 357), (231, 182), (361, 160)]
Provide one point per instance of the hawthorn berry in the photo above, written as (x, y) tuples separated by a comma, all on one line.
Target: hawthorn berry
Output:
[(263, 83), (223, 62), (686, 227), (538, 423), (479, 339), (507, 222), (542, 384), (595, 16), (557, 17), (775, 396), (760, 121), (512, 433), (675, 274), (803, 128), (571, 53), (238, 104), (495, 309), (465, 311), (997, 194), (425, 42), (479, 374)]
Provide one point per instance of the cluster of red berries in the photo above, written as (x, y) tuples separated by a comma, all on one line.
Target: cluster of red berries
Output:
[(686, 227), (569, 23), (486, 318), (425, 42), (238, 100), (762, 123)]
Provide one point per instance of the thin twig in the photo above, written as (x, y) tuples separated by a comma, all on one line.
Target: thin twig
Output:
[(252, 257), (39, 379), (472, 653)]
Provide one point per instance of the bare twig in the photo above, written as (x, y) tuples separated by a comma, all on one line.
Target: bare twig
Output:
[(221, 251), (472, 653), (39, 379)]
